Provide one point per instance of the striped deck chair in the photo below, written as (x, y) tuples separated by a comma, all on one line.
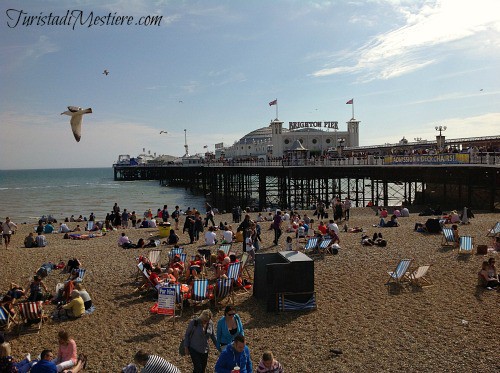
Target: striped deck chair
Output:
[(311, 245), (494, 231), (203, 272), (223, 290), (154, 256), (324, 246), (291, 302), (448, 239), (179, 300), (226, 247), (399, 274), (418, 276), (175, 251), (199, 293), (81, 274), (466, 245), (31, 316), (234, 273), (245, 258), (5, 319), (138, 273)]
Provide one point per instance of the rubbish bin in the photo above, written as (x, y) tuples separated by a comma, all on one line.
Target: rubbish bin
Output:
[(164, 230)]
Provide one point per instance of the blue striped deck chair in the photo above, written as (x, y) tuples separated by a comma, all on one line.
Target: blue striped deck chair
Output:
[(226, 247), (448, 240), (296, 301), (154, 256), (199, 293), (81, 275), (223, 290), (466, 245), (494, 231), (179, 300), (399, 274), (324, 246), (5, 319), (140, 268), (175, 251), (31, 316), (311, 245)]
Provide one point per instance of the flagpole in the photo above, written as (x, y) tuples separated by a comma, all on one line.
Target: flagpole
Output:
[(276, 108), (352, 108)]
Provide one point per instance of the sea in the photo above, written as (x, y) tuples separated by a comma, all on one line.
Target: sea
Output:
[(26, 195)]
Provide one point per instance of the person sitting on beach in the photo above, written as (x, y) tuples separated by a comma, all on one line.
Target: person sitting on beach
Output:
[(456, 235), (87, 301), (39, 227), (63, 228), (36, 287), (454, 217), (173, 238), (383, 213), (492, 270), (289, 243), (177, 266), (322, 227), (210, 237), (75, 308), (16, 291), (227, 235), (7, 302), (45, 364), (77, 228), (268, 364), (125, 242), (40, 240), (392, 223), (485, 277), (29, 241), (405, 213), (154, 363), (195, 266), (496, 244), (219, 260), (154, 279), (72, 264), (48, 228)]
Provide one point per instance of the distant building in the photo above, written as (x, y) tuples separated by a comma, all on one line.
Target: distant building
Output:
[(274, 141)]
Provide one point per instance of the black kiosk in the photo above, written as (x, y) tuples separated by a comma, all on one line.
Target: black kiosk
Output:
[(285, 280)]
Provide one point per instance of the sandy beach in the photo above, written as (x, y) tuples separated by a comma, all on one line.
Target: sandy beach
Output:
[(452, 326)]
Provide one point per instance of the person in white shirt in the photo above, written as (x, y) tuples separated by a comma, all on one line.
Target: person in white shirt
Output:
[(227, 235), (210, 237), (63, 228), (7, 228), (332, 226), (40, 240)]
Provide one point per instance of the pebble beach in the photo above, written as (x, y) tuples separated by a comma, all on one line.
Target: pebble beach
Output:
[(451, 326)]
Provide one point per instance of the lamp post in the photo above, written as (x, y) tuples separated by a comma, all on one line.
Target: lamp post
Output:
[(341, 142), (440, 137)]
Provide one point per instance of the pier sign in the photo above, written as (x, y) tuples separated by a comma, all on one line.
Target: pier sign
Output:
[(298, 125), (452, 158)]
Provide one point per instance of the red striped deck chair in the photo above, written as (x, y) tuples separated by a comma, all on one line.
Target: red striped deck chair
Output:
[(199, 293), (5, 319), (31, 316)]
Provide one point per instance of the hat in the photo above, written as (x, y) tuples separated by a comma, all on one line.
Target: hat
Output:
[(75, 293)]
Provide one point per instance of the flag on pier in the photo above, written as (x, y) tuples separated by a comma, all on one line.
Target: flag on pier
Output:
[(274, 102), (350, 102)]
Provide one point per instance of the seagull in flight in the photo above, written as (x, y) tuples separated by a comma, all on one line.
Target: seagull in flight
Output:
[(180, 102), (163, 132), (76, 114), (105, 72)]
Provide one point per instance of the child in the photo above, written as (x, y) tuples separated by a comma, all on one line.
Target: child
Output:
[(269, 364), (289, 245)]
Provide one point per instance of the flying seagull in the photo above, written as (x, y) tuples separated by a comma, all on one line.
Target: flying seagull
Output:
[(163, 132), (76, 114), (106, 72)]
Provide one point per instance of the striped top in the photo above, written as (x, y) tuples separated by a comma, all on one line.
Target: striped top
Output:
[(157, 364)]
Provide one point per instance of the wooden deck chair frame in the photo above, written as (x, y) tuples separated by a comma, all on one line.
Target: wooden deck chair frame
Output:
[(139, 268), (494, 231), (245, 257), (30, 312), (199, 293), (179, 300), (398, 276), (223, 290), (418, 277), (154, 256), (466, 245), (6, 319), (324, 246), (448, 239)]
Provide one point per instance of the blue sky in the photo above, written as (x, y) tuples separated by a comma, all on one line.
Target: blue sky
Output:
[(409, 65)]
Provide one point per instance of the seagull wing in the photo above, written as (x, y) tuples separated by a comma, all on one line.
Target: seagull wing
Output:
[(74, 109), (76, 126)]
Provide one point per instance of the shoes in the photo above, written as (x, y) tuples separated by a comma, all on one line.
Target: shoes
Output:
[(380, 235), (489, 288)]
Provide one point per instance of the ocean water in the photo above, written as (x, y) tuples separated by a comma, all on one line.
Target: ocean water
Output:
[(26, 195)]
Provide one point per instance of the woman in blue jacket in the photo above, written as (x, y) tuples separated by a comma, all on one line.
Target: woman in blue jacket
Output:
[(228, 327)]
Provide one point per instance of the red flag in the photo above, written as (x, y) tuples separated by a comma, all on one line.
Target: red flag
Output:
[(350, 102), (274, 102)]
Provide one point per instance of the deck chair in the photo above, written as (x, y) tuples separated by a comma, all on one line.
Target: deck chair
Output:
[(199, 293), (81, 274), (466, 245), (296, 301), (418, 276), (179, 300), (311, 245), (31, 317), (399, 274), (223, 290), (494, 231), (5, 319), (175, 251), (154, 256), (324, 246), (448, 239), (245, 258), (226, 247)]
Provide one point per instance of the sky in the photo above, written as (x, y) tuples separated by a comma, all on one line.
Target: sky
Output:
[(211, 67)]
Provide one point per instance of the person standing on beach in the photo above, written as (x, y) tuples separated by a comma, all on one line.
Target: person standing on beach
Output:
[(277, 227), (175, 216), (164, 214), (210, 215), (8, 228), (125, 217)]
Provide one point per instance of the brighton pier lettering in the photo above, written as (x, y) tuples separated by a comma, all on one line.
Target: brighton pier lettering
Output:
[(296, 125)]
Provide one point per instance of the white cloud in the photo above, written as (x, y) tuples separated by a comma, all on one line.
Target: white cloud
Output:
[(427, 32), (17, 55)]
